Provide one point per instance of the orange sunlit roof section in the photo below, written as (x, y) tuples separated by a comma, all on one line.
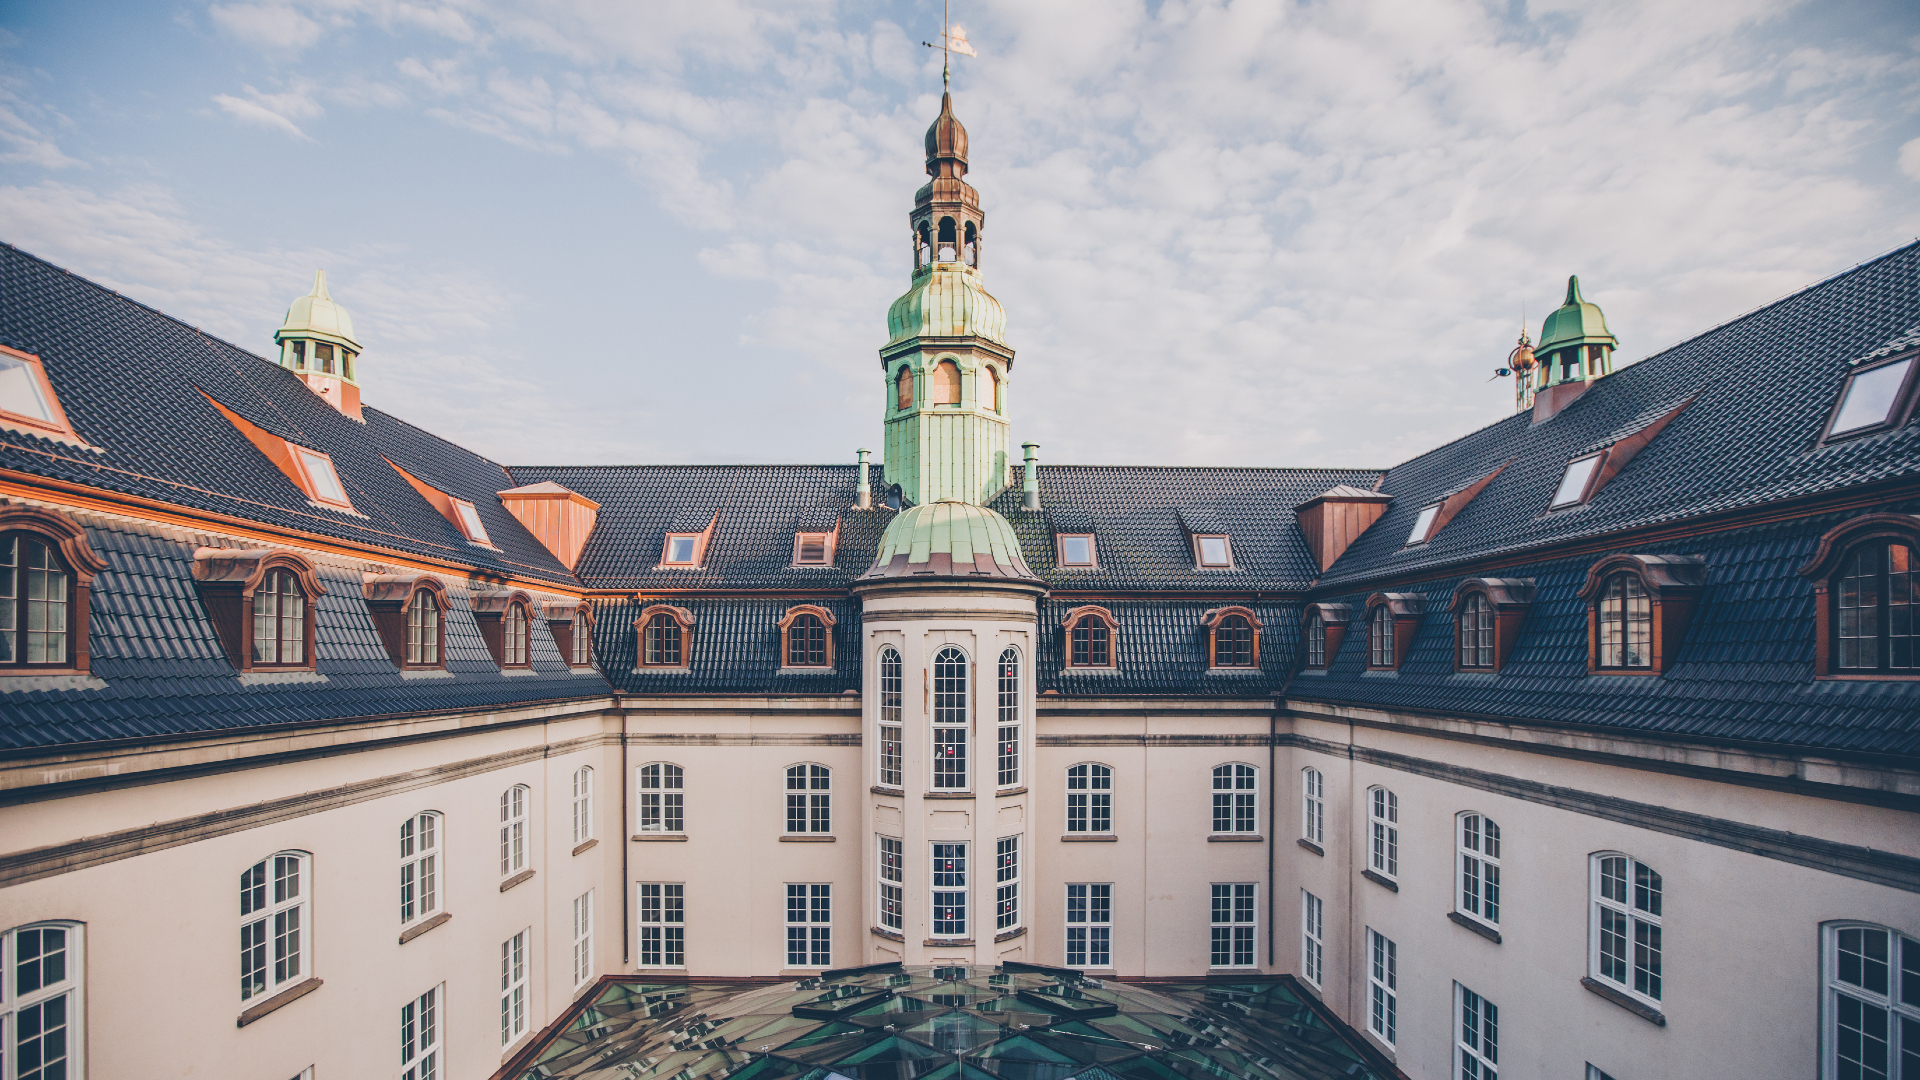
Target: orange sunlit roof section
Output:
[(310, 470), (27, 401), (460, 512)]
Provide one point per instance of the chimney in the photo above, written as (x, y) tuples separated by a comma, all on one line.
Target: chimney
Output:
[(865, 499), (1030, 478)]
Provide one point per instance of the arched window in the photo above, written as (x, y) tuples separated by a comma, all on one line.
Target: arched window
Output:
[(1638, 607), (972, 250), (944, 384), (513, 830), (1233, 638), (1624, 622), (993, 388), (42, 1016), (1089, 798), (950, 720), (423, 630), (1876, 627), (1479, 865), (1313, 805), (274, 923), (809, 799), (1872, 1009), (1383, 826), (36, 599), (279, 621), (665, 634), (662, 800), (1089, 638), (420, 867), (1009, 748), (516, 628), (1316, 640), (1475, 633), (1236, 798), (1624, 937), (903, 388), (890, 690), (923, 246), (1380, 651), (808, 634), (581, 642), (948, 239), (409, 612), (582, 805)]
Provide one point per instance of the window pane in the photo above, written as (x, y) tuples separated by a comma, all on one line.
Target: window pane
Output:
[(680, 549), (470, 521), (326, 483), (1076, 550), (1422, 523), (1213, 551), (1573, 483), (20, 391), (1871, 397)]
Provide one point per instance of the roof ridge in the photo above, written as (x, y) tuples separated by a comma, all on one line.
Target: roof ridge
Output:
[(118, 295)]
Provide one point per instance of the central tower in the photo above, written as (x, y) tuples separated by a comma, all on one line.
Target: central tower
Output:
[(946, 362)]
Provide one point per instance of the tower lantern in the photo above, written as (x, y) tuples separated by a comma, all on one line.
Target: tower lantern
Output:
[(317, 344), (1575, 349)]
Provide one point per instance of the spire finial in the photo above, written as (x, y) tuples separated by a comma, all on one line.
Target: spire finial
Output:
[(320, 284), (1573, 289), (953, 39)]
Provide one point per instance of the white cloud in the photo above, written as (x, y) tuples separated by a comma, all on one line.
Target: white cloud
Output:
[(275, 111), (273, 26), (1910, 159)]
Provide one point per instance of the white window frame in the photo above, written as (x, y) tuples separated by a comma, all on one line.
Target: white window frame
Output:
[(515, 835), (421, 1025), (1313, 938), (1006, 884), (1090, 925), (1383, 987), (1637, 919), (1239, 930), (582, 939), (809, 924), (1477, 846), (582, 804), (1423, 524), (1007, 749), (1238, 797), (1575, 480), (953, 724), (422, 865), (470, 524), (515, 1009), (891, 865), (1090, 798), (1476, 1036), (69, 986), (279, 924), (956, 890), (663, 924), (1383, 832), (1903, 951), (662, 804), (809, 791), (891, 673), (1313, 805)]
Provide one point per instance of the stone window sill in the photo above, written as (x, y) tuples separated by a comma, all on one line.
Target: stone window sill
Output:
[(583, 846), (1009, 792), (948, 795), (1018, 931), (284, 998), (898, 793), (943, 942), (661, 837), (423, 926), (1381, 880), (1310, 846), (805, 838), (1619, 997), (1236, 838), (517, 879), (888, 934), (1089, 838), (1476, 926)]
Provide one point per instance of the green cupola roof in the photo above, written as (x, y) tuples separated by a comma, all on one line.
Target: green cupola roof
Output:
[(1575, 322), (316, 315), (949, 538), (947, 301)]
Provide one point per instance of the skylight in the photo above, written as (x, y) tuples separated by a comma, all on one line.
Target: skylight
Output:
[(1872, 398), (680, 549), (323, 483), (1423, 524), (1076, 550), (1573, 483), (470, 521), (811, 549), (1214, 551), (20, 392)]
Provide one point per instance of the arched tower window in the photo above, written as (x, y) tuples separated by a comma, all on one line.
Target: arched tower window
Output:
[(923, 247), (890, 693), (903, 388), (948, 238), (1009, 751), (993, 389), (973, 246), (945, 384), (950, 717)]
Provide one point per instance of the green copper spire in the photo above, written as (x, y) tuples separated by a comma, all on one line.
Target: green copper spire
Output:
[(1575, 343)]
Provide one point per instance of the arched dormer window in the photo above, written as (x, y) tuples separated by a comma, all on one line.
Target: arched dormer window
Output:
[(1638, 607), (1090, 637), (1322, 628), (571, 624), (943, 384), (46, 575), (903, 388), (261, 604), (948, 238), (410, 612), (1487, 616), (1392, 621), (806, 637), (1866, 584), (666, 637), (1233, 637), (506, 625)]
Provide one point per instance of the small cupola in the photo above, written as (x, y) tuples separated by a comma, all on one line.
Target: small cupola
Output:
[(317, 344), (1575, 349)]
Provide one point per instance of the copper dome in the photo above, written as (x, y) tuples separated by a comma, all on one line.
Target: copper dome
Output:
[(946, 140)]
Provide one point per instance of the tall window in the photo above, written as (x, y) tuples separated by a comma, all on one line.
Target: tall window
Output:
[(809, 799), (892, 878), (1475, 631), (1006, 883), (903, 388), (1875, 628), (1476, 1045), (1233, 642), (36, 592), (1313, 805), (582, 804), (1236, 798), (663, 924), (1313, 937), (949, 890), (420, 1037), (1091, 643), (582, 639), (1316, 640), (419, 867), (1383, 824), (514, 629), (1383, 987), (1625, 932), (1233, 924), (809, 925), (41, 1013), (663, 644), (583, 937), (1380, 638), (890, 680), (1479, 855), (423, 629), (807, 642), (1090, 925), (513, 830), (944, 384), (1624, 619), (1089, 799), (1009, 748), (662, 802), (950, 720), (513, 987), (273, 924), (279, 621), (1872, 1007)]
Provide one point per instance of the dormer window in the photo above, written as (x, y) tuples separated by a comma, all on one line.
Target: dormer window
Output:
[(46, 575), (680, 550), (810, 549), (27, 401), (261, 604), (468, 519), (1213, 552), (410, 613), (1233, 637), (1874, 399), (1638, 608), (1074, 550), (1575, 481), (506, 625), (1090, 634), (666, 637), (807, 637), (323, 484), (1393, 619), (1423, 525)]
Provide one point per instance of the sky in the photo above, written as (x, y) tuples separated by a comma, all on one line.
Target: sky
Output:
[(1264, 234)]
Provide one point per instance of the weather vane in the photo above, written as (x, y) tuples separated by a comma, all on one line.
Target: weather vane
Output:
[(953, 39)]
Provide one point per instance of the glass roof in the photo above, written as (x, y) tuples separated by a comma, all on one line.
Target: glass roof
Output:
[(951, 1023)]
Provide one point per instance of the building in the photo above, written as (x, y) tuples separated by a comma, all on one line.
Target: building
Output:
[(1590, 740)]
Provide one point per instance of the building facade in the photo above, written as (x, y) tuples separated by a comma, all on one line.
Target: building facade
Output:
[(1587, 744)]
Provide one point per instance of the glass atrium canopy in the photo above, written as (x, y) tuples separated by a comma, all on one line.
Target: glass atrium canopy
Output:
[(1017, 1022)]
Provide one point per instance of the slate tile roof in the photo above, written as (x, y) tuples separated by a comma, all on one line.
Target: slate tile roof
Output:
[(1160, 648), (736, 648)]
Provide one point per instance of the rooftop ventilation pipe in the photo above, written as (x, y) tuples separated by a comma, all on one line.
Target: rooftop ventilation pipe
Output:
[(864, 501), (1030, 479)]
